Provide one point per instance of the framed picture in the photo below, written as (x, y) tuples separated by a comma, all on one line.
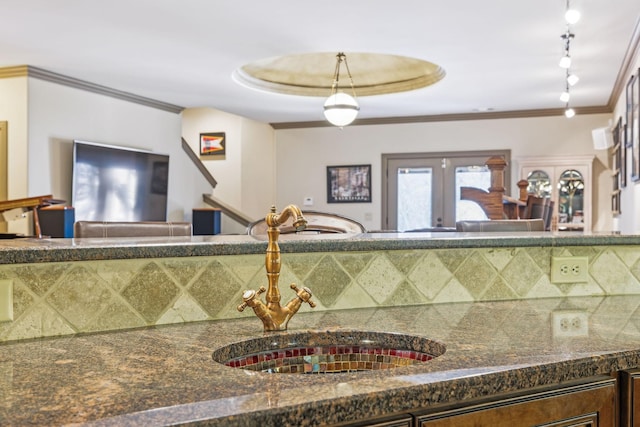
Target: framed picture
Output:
[(623, 153), (633, 129), (213, 144), (628, 136), (349, 184), (619, 156)]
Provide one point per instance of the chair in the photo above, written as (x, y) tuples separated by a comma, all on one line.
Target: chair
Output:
[(317, 222), (501, 225), (131, 229), (539, 207)]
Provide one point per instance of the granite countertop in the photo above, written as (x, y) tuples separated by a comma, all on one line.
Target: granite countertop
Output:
[(26, 250), (166, 376)]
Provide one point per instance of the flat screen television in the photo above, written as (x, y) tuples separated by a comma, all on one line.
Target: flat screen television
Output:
[(113, 183)]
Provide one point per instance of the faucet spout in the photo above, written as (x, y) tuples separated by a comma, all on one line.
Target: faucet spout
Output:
[(274, 316)]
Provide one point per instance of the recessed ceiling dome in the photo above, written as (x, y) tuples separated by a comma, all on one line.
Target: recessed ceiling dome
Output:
[(311, 74)]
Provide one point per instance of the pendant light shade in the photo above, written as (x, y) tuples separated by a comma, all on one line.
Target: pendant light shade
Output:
[(341, 109)]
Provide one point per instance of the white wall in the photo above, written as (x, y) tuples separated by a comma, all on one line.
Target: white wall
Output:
[(13, 109), (59, 114), (245, 175), (630, 195), (302, 155)]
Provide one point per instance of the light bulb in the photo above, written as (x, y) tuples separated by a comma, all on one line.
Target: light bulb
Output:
[(572, 79), (565, 61), (565, 96), (569, 112), (572, 16), (341, 109)]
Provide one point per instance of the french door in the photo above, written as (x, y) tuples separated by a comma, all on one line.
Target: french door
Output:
[(422, 190)]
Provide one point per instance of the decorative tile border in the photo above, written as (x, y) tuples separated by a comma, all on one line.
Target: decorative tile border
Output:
[(331, 359)]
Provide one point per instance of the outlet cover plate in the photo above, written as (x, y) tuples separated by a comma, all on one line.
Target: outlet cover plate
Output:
[(6, 300), (570, 323), (569, 269)]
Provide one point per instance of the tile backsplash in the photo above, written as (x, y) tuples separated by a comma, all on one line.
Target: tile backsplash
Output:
[(61, 298)]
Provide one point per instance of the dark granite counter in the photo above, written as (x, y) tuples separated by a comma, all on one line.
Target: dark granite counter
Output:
[(56, 250), (166, 376)]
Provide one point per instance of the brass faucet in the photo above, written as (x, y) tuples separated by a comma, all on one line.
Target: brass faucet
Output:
[(274, 316)]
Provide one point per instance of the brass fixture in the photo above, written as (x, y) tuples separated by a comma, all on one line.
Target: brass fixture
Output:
[(274, 316)]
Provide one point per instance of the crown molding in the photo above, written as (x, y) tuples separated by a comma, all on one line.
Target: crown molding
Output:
[(42, 74), (627, 67), (492, 115)]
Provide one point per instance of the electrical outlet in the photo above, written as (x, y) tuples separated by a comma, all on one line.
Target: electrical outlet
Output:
[(6, 300), (570, 323), (569, 269)]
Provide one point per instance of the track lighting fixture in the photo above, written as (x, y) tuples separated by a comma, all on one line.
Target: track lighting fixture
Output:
[(571, 16)]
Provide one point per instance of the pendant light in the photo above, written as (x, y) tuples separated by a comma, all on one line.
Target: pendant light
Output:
[(340, 108)]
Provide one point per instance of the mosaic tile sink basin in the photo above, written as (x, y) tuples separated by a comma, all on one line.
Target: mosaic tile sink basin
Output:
[(322, 352)]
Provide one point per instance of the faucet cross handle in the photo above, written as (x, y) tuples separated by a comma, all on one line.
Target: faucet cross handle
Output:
[(249, 298), (304, 294)]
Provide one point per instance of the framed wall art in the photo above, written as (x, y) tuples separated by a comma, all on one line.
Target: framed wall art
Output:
[(628, 136), (213, 144), (633, 127), (349, 184), (619, 153)]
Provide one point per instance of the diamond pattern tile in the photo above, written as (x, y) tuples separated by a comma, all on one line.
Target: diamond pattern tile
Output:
[(499, 290), (215, 288), (40, 278), (453, 258), (327, 281), (521, 273), (353, 263), (628, 254), (405, 294), (300, 264), (183, 270), (80, 297), (475, 274), (430, 275), (404, 261), (612, 275), (117, 274), (150, 292), (381, 279), (499, 257)]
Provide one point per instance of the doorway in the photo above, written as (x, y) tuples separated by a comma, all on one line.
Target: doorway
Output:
[(422, 190)]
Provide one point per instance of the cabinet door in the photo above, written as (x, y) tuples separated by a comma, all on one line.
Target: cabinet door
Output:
[(629, 398), (586, 404), (402, 421)]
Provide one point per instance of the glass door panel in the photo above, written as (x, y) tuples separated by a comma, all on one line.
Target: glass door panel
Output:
[(414, 186), (570, 197), (470, 176), (415, 193)]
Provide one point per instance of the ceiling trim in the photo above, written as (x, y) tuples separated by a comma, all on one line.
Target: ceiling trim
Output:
[(605, 109), (42, 74)]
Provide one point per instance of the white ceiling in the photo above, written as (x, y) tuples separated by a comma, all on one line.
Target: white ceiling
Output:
[(498, 54)]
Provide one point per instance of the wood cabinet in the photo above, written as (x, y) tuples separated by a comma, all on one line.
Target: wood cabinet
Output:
[(568, 182), (629, 398), (591, 403)]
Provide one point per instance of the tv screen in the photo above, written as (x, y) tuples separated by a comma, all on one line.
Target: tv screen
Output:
[(118, 184)]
